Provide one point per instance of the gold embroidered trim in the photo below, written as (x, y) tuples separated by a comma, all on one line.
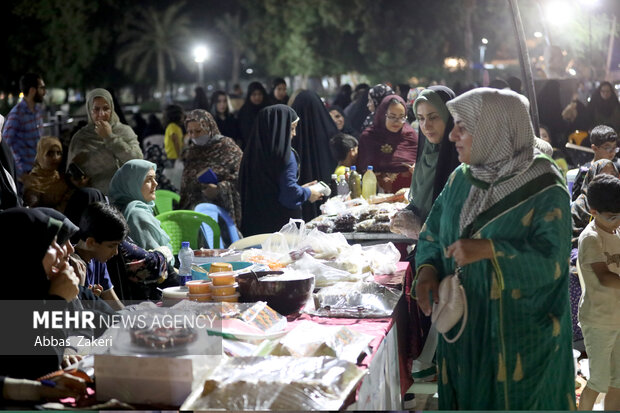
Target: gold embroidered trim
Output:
[(501, 370), (527, 219), (518, 373)]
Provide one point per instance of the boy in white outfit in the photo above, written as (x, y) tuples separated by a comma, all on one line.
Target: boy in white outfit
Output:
[(599, 307)]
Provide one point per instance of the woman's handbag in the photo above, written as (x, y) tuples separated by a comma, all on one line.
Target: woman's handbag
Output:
[(452, 306)]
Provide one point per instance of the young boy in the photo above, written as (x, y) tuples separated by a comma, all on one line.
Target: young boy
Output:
[(344, 148), (599, 308), (102, 229), (604, 143)]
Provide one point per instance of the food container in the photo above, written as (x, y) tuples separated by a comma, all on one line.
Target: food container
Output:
[(220, 267), (199, 297), (236, 266), (173, 295), (222, 290), (285, 293), (223, 278), (199, 273), (199, 286), (233, 298)]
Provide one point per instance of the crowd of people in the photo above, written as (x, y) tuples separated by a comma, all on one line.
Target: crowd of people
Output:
[(488, 201)]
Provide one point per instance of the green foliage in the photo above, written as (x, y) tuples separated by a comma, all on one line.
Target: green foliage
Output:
[(152, 37), (65, 44), (310, 38), (79, 43)]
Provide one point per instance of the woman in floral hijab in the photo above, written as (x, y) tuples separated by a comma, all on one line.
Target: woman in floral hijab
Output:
[(210, 150)]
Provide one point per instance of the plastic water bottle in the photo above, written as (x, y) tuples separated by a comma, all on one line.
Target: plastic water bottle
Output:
[(355, 183), (369, 183), (343, 186), (186, 257)]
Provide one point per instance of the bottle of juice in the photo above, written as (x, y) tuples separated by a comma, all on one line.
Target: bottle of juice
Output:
[(369, 183), (355, 183)]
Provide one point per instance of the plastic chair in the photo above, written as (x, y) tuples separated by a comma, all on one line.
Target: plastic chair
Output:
[(185, 225), (217, 213), (164, 200), (577, 137)]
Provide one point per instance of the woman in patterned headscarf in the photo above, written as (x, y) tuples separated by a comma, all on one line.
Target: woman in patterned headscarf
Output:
[(503, 219), (210, 149), (375, 97)]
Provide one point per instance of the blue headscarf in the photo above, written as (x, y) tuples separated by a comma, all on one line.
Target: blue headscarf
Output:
[(126, 194)]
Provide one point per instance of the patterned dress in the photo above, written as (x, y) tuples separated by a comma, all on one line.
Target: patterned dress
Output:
[(515, 352), (223, 156)]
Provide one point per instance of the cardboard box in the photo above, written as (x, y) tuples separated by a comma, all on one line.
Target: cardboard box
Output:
[(143, 380)]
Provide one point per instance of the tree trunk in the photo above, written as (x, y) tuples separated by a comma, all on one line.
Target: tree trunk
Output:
[(161, 79), (469, 6)]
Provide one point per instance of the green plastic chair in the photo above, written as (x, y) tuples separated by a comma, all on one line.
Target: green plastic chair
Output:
[(164, 200), (182, 225)]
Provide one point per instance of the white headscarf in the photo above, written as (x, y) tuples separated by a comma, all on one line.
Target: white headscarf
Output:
[(502, 151)]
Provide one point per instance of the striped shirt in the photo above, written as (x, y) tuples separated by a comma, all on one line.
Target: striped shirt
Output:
[(22, 132)]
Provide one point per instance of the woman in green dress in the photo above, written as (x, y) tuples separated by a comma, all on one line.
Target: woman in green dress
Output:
[(504, 218)]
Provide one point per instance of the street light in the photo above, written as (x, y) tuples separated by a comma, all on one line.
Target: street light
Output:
[(201, 53), (558, 13)]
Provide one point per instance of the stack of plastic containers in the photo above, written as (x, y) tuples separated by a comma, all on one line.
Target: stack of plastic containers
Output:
[(199, 290), (219, 287), (224, 286)]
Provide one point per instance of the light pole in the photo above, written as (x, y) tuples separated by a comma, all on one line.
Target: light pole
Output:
[(483, 48), (590, 5), (201, 53)]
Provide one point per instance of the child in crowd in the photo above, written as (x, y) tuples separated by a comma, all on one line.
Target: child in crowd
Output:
[(102, 229), (599, 309), (173, 137), (344, 148), (604, 143)]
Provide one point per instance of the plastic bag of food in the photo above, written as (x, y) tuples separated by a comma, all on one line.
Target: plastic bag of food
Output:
[(333, 206), (382, 258), (325, 246), (324, 275), (288, 238), (274, 260), (314, 340)]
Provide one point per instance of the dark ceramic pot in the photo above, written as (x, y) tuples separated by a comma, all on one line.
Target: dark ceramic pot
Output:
[(284, 296)]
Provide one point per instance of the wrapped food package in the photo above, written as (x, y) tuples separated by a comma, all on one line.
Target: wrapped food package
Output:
[(276, 383), (363, 299), (314, 340)]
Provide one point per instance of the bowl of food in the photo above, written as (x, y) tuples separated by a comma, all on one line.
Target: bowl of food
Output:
[(285, 292)]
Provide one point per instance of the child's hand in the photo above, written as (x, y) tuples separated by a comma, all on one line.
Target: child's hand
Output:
[(96, 289)]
